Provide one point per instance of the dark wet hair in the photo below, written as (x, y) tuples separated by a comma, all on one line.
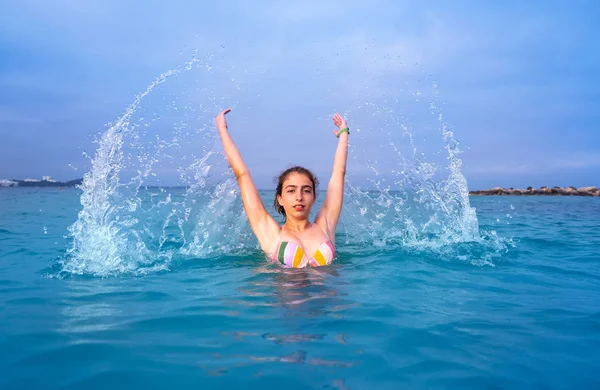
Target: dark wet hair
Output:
[(297, 169)]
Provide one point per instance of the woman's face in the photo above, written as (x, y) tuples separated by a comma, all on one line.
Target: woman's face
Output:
[(297, 195)]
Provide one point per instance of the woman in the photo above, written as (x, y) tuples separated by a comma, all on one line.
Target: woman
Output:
[(298, 243)]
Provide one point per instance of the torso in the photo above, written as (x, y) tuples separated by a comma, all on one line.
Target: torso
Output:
[(313, 248)]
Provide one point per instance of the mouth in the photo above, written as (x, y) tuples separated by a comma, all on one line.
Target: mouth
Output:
[(299, 207)]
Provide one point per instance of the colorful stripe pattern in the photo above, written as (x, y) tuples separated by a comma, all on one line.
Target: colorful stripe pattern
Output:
[(324, 255), (291, 255)]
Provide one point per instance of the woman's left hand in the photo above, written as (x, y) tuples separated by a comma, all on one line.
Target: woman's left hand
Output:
[(339, 122)]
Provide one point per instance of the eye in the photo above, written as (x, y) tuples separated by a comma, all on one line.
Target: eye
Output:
[(290, 191)]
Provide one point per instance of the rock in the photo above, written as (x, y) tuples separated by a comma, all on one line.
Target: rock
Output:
[(571, 191), (586, 189), (554, 191)]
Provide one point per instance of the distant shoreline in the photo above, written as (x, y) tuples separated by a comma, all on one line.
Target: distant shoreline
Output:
[(497, 191), (39, 183), (546, 191)]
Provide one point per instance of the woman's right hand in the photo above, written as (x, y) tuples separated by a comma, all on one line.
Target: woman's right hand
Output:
[(221, 121)]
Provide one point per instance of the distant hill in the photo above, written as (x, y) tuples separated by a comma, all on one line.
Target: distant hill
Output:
[(45, 183)]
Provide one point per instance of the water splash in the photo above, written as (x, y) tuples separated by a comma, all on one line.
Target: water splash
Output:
[(103, 238), (412, 206), (113, 233), (131, 224)]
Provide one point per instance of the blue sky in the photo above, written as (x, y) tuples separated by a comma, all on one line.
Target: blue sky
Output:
[(515, 81)]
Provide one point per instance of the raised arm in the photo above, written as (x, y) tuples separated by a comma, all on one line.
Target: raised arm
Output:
[(263, 225), (332, 206)]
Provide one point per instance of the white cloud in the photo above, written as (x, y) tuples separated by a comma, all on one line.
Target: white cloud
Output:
[(10, 116), (543, 163), (307, 11), (501, 169), (577, 160)]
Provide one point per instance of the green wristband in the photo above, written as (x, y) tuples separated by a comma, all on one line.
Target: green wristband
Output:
[(344, 130)]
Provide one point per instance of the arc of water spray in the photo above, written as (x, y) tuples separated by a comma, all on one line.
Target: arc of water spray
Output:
[(95, 233)]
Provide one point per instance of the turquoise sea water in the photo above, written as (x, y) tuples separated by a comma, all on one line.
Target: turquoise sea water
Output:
[(177, 306), (120, 285)]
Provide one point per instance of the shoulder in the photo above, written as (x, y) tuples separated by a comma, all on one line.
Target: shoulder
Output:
[(268, 236), (321, 221)]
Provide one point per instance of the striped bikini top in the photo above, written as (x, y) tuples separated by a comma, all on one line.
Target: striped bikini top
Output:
[(291, 255)]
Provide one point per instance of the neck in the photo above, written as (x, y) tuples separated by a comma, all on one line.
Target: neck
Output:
[(298, 225)]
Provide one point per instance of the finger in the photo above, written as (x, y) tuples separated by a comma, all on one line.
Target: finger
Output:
[(226, 111)]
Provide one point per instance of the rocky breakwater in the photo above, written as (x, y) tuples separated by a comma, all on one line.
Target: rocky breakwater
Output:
[(556, 191)]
